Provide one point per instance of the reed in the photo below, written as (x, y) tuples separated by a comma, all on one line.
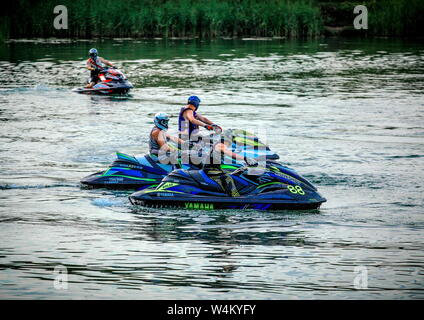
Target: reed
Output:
[(396, 17), (208, 18), (169, 18)]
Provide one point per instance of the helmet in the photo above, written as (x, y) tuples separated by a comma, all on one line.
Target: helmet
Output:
[(93, 53), (161, 120), (194, 100)]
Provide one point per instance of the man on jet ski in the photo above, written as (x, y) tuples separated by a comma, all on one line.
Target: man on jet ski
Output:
[(158, 138), (189, 120), (212, 164), (95, 64)]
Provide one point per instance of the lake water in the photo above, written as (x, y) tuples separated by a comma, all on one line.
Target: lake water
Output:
[(346, 114)]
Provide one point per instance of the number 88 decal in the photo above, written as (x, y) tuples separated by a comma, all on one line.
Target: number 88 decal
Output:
[(296, 189)]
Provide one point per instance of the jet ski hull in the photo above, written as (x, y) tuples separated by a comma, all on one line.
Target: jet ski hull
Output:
[(128, 172), (262, 190), (106, 88), (111, 81), (216, 203), (116, 182)]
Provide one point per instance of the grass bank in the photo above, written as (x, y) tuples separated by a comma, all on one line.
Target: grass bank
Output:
[(209, 18), (169, 18)]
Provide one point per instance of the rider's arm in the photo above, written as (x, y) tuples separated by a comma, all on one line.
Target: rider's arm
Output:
[(220, 147), (175, 139), (204, 119), (161, 139), (106, 62), (89, 67), (188, 115)]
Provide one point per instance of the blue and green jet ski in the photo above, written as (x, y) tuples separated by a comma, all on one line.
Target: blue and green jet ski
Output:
[(271, 189), (129, 172)]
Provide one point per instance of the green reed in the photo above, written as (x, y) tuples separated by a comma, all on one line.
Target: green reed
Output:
[(208, 18), (169, 18), (396, 17)]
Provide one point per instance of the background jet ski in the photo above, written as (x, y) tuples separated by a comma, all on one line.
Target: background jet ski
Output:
[(270, 190), (112, 81), (129, 172)]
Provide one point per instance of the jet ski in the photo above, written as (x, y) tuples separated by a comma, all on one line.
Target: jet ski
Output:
[(268, 189), (112, 81), (129, 172)]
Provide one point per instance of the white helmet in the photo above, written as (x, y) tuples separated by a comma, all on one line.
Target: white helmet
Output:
[(161, 120)]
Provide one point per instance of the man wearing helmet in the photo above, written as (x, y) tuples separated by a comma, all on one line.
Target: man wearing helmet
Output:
[(189, 120), (158, 138), (95, 64)]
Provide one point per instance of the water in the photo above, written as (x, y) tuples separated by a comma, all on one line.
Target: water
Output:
[(347, 114)]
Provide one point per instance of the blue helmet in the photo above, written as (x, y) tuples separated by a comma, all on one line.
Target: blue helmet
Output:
[(194, 100), (161, 120), (93, 53)]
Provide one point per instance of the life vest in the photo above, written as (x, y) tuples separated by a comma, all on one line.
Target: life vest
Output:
[(154, 146), (184, 124), (97, 64)]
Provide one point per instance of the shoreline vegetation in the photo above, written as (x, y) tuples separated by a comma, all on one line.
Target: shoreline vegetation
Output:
[(211, 19)]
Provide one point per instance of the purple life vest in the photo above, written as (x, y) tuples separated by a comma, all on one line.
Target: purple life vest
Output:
[(184, 124)]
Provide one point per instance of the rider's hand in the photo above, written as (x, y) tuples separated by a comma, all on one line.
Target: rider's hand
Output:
[(209, 127), (251, 162)]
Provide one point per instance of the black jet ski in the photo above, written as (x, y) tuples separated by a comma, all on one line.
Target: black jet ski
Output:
[(129, 172), (112, 81), (267, 189)]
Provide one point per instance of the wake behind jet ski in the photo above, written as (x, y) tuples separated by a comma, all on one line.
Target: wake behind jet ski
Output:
[(270, 190)]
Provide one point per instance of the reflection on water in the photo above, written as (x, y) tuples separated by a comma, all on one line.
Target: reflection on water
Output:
[(346, 114)]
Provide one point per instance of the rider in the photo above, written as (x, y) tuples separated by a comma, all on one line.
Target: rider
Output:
[(189, 120), (212, 165), (158, 138), (95, 64)]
